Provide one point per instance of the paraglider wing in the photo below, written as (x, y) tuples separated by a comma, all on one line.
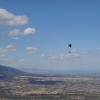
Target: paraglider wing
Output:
[(70, 45)]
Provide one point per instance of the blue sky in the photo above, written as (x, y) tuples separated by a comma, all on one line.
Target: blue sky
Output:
[(36, 34)]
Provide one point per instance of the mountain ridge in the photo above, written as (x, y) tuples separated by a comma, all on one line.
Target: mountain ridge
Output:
[(7, 73)]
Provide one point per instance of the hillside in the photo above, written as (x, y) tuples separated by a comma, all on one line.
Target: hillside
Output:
[(7, 73)]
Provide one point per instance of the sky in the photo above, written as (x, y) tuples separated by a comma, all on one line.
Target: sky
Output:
[(36, 34)]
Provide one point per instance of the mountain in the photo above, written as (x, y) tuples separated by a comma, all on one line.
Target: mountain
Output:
[(7, 73)]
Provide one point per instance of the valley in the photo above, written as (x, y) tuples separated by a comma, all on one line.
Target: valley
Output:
[(38, 87)]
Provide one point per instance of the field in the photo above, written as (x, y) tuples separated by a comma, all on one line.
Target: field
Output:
[(51, 87)]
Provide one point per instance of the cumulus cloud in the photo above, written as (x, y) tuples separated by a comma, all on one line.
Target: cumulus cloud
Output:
[(31, 49), (29, 31), (11, 48), (7, 18), (15, 32), (14, 38), (8, 48)]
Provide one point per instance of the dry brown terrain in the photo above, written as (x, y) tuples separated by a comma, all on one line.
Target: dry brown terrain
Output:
[(76, 88)]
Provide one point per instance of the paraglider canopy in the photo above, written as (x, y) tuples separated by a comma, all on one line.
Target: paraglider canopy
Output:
[(70, 45)]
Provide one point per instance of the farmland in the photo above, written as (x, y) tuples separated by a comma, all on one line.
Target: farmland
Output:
[(32, 87)]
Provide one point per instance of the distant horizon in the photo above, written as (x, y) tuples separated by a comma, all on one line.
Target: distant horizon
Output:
[(29, 71), (59, 69)]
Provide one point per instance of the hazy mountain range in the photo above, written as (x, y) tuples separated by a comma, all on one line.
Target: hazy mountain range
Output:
[(61, 72), (8, 72)]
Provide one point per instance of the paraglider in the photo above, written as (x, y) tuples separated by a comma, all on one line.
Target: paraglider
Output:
[(70, 45)]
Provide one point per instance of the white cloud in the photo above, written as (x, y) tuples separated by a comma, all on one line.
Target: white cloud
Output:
[(76, 55), (65, 56), (69, 56), (11, 48), (22, 60), (29, 31), (15, 32), (14, 38), (7, 18), (8, 48), (31, 49)]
